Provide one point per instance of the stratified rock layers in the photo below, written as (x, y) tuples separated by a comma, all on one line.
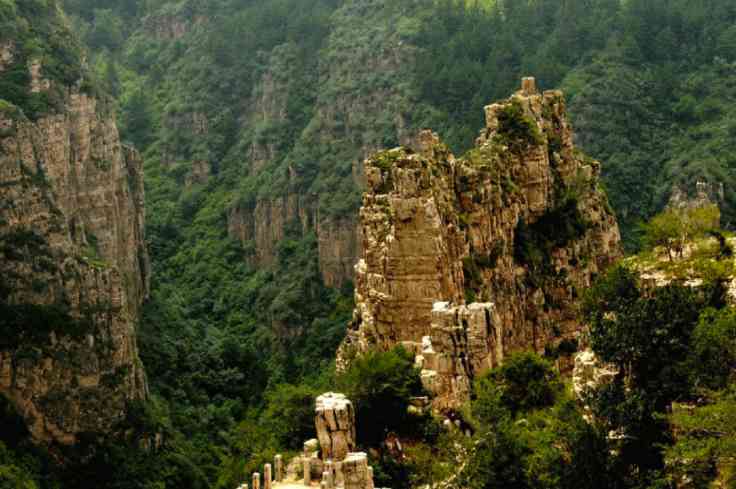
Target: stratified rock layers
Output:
[(440, 229), (74, 270)]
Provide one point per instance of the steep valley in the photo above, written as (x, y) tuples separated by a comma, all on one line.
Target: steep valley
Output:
[(214, 211)]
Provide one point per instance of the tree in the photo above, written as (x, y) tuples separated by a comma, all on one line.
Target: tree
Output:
[(646, 334), (289, 414), (531, 434), (674, 228), (107, 30), (714, 352), (524, 382), (381, 384)]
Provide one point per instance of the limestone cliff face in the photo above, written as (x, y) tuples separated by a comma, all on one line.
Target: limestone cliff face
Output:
[(507, 238), (265, 224), (74, 269)]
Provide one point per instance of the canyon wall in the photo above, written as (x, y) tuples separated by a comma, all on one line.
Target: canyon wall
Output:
[(73, 266), (466, 260)]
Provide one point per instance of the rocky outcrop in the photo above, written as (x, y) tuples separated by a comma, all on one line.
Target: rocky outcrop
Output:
[(706, 193), (590, 373), (199, 174), (331, 459), (335, 423), (171, 26), (344, 128), (74, 269), (262, 224), (6, 55), (520, 222), (463, 341)]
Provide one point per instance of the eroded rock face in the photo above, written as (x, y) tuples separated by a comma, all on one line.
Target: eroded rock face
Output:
[(264, 225), (589, 373), (705, 194), (335, 423), (356, 471), (464, 341), (518, 225), (74, 270), (171, 26)]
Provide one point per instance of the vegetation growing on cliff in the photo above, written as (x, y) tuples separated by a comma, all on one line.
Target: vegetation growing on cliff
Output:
[(355, 76), (534, 244), (34, 31)]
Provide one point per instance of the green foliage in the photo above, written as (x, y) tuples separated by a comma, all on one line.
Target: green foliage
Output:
[(289, 414), (219, 332), (706, 440), (14, 473), (668, 343), (381, 384), (674, 228), (647, 336), (714, 353), (31, 324), (523, 383), (39, 32), (531, 434), (534, 243), (517, 129)]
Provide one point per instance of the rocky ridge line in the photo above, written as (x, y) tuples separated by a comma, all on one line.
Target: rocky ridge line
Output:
[(507, 238)]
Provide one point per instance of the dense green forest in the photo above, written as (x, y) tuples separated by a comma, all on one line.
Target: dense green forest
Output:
[(232, 347)]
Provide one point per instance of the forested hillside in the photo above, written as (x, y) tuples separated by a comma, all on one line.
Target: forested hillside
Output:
[(254, 117), (265, 109)]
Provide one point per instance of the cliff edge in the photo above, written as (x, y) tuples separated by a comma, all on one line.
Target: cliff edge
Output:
[(73, 263)]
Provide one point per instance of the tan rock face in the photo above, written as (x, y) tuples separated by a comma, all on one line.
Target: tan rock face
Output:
[(38, 83), (73, 254), (6, 55), (262, 226), (335, 423), (199, 174), (437, 228), (464, 341), (338, 124), (170, 27), (705, 194)]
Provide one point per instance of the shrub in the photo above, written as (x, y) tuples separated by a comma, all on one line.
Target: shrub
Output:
[(381, 384), (517, 129), (646, 335), (714, 352), (534, 243), (289, 414), (525, 382), (674, 228)]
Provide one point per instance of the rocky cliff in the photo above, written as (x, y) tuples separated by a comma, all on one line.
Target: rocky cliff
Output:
[(264, 225), (361, 106), (73, 264), (469, 259)]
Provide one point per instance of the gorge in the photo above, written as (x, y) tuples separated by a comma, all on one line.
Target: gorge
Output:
[(214, 212)]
